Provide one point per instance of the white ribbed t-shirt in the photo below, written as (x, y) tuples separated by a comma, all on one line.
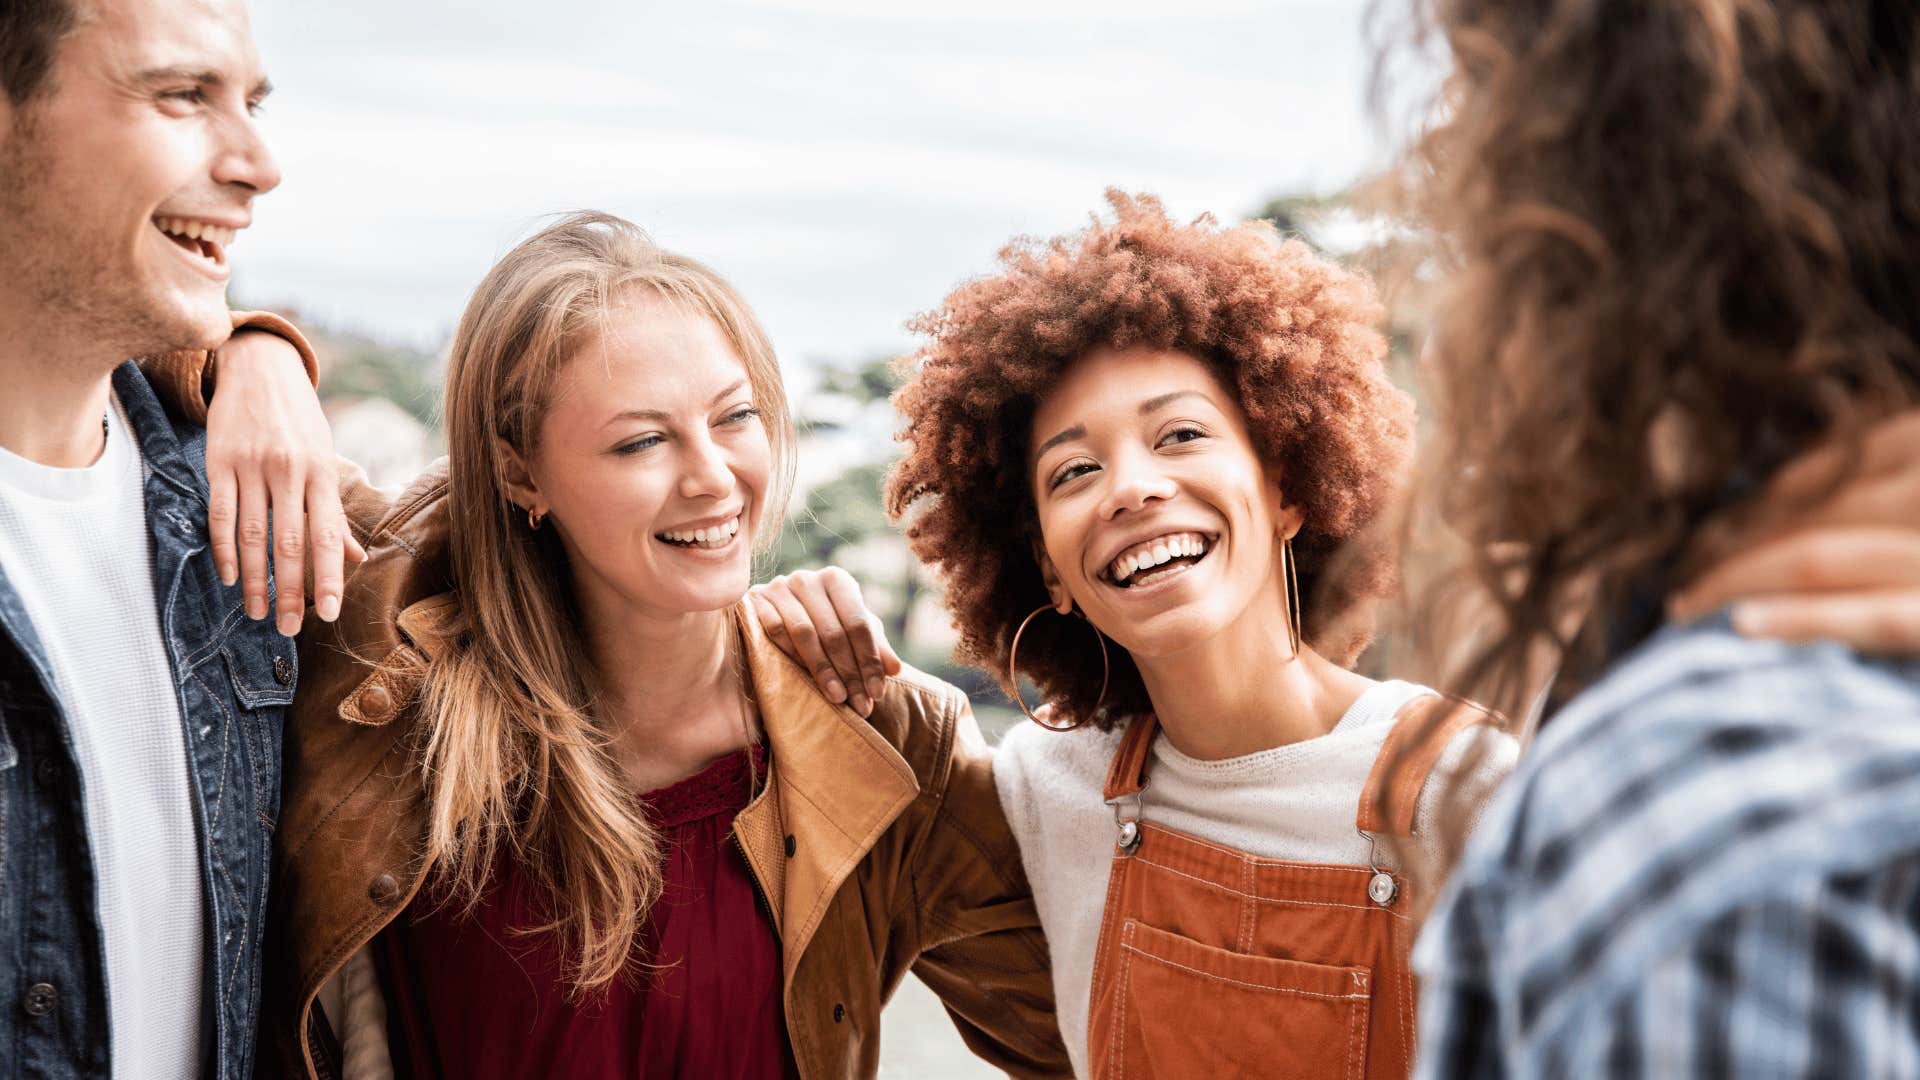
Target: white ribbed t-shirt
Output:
[(75, 547), (1296, 802)]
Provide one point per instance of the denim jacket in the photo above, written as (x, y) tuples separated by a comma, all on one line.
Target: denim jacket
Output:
[(234, 678)]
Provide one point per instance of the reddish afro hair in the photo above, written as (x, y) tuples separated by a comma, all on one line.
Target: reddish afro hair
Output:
[(1290, 334)]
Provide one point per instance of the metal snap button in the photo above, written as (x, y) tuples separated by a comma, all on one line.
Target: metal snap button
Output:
[(1129, 835), (1383, 890), (41, 999), (384, 889), (839, 1012), (283, 671)]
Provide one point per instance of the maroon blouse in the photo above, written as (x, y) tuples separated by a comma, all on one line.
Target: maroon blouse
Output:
[(477, 997)]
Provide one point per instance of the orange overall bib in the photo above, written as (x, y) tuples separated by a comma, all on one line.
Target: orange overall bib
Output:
[(1214, 963)]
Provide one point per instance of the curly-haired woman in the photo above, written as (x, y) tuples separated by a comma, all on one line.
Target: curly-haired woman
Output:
[(1134, 453), (1688, 237), (1167, 430)]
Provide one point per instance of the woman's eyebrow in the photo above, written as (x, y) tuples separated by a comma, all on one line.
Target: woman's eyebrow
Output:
[(662, 417), (1164, 400), (1077, 431)]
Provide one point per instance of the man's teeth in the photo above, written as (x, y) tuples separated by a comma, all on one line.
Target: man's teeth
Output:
[(716, 536), (197, 230), (1155, 552)]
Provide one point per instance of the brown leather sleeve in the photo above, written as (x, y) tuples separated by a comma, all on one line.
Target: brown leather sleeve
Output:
[(981, 949), (184, 379)]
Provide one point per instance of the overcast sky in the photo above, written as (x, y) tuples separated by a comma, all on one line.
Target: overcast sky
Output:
[(845, 162)]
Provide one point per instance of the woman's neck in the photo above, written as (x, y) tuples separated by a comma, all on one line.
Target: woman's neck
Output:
[(670, 689), (1242, 690)]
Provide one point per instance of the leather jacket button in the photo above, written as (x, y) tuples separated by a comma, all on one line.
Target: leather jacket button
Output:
[(40, 999), (47, 771), (384, 889), (376, 703), (839, 1012), (791, 846), (283, 671)]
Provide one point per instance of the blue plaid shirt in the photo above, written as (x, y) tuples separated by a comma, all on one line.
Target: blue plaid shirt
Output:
[(1707, 865)]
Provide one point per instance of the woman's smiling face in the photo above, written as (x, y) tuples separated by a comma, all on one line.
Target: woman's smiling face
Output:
[(653, 462), (1157, 517)]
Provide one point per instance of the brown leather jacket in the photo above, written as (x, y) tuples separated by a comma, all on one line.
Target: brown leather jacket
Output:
[(878, 843)]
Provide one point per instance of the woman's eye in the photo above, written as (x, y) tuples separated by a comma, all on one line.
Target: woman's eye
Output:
[(645, 442), (192, 96), (741, 416), (1072, 472), (1181, 435)]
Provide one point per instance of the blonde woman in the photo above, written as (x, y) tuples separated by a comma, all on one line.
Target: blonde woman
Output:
[(555, 805)]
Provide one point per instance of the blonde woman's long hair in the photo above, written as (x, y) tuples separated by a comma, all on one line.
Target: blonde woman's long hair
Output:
[(515, 756)]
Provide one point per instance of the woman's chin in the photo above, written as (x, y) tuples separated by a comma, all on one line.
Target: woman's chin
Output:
[(1164, 633), (707, 592)]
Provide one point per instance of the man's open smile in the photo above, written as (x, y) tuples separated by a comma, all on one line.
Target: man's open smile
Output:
[(205, 241)]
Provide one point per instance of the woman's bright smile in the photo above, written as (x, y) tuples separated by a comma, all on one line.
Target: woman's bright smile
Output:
[(1144, 477), (654, 463)]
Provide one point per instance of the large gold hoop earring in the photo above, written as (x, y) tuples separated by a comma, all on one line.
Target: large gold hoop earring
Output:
[(1293, 593), (1013, 675)]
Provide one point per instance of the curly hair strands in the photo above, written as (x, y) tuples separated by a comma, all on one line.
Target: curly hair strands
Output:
[(1291, 337), (516, 759), (1686, 238)]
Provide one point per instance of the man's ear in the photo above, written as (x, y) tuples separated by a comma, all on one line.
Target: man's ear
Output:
[(517, 478), (1056, 592)]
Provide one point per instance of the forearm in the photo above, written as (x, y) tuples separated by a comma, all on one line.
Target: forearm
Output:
[(185, 379), (981, 946)]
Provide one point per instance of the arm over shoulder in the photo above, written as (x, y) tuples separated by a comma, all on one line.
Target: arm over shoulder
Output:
[(184, 379), (981, 949)]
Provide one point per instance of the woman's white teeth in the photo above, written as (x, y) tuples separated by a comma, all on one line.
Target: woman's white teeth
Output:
[(1155, 552), (196, 230), (711, 537)]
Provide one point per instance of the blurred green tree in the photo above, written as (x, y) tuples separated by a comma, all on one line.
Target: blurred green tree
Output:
[(844, 519), (353, 365)]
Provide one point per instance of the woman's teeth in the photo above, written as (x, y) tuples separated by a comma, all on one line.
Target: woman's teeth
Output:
[(1144, 558), (717, 536)]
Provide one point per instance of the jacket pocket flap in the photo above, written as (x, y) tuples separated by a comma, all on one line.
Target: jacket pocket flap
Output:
[(264, 668), (388, 690)]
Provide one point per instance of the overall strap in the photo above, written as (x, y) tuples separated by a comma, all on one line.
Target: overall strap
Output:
[(1128, 774), (1421, 732)]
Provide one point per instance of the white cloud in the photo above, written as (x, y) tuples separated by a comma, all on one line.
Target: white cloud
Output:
[(845, 161)]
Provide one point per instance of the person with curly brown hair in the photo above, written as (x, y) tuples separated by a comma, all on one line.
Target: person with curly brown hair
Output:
[(1134, 452), (1687, 238)]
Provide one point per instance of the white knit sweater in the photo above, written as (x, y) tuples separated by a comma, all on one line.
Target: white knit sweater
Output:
[(1296, 802), (75, 546)]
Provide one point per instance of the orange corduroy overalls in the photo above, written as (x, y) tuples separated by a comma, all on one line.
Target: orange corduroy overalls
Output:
[(1214, 963)]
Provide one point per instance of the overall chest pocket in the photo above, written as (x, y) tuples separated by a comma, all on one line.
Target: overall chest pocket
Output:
[(1180, 1008)]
